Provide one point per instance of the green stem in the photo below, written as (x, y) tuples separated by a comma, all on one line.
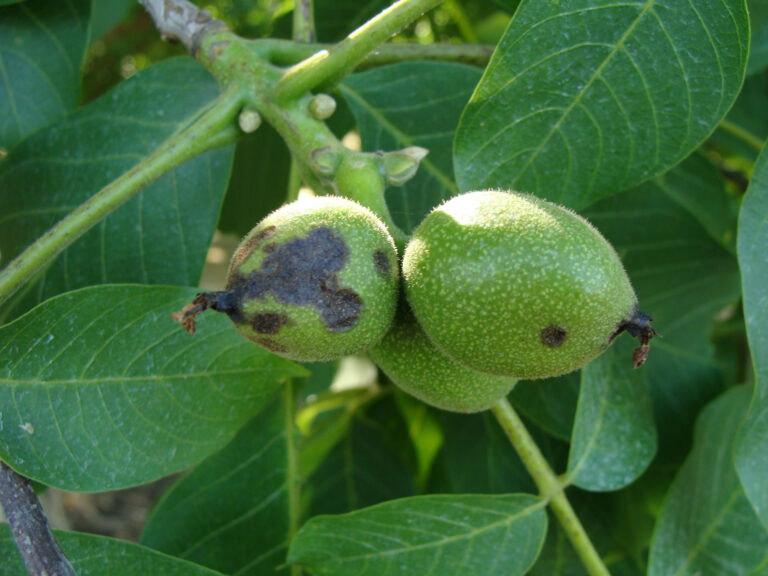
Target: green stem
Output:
[(216, 127), (287, 53), (303, 21), (745, 136), (329, 66), (549, 486)]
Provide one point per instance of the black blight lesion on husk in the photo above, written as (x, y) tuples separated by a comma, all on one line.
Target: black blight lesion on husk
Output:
[(300, 272)]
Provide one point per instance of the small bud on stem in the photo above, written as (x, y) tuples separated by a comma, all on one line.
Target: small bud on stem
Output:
[(401, 165), (249, 120), (322, 106)]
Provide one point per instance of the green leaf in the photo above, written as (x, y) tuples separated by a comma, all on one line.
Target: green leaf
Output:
[(258, 183), (585, 98), (424, 431), (337, 18), (758, 46), (365, 467), (683, 278), (697, 186), (478, 457), (106, 15), (100, 389), (42, 47), (162, 235), (469, 534), (334, 19), (614, 437), (324, 421), (231, 512), (752, 445), (707, 525), (98, 556), (550, 403), (413, 104), (747, 121)]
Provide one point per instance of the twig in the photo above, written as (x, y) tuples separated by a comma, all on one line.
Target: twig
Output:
[(182, 21), (37, 546), (328, 67)]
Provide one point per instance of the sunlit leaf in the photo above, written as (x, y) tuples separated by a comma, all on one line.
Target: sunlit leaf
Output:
[(585, 98)]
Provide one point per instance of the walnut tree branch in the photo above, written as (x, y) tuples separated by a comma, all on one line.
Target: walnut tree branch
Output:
[(182, 21), (37, 546)]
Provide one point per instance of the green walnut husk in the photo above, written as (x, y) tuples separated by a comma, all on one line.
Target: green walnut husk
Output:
[(315, 280), (415, 365), (512, 285)]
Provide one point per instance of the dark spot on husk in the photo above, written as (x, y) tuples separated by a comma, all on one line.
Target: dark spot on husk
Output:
[(303, 272), (251, 244), (638, 326), (269, 322), (381, 262), (269, 248), (553, 336), (270, 345), (341, 309)]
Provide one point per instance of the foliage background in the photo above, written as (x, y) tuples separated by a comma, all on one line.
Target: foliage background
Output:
[(667, 465)]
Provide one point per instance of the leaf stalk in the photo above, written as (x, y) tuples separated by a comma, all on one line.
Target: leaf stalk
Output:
[(549, 486), (742, 134), (327, 67), (288, 53)]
